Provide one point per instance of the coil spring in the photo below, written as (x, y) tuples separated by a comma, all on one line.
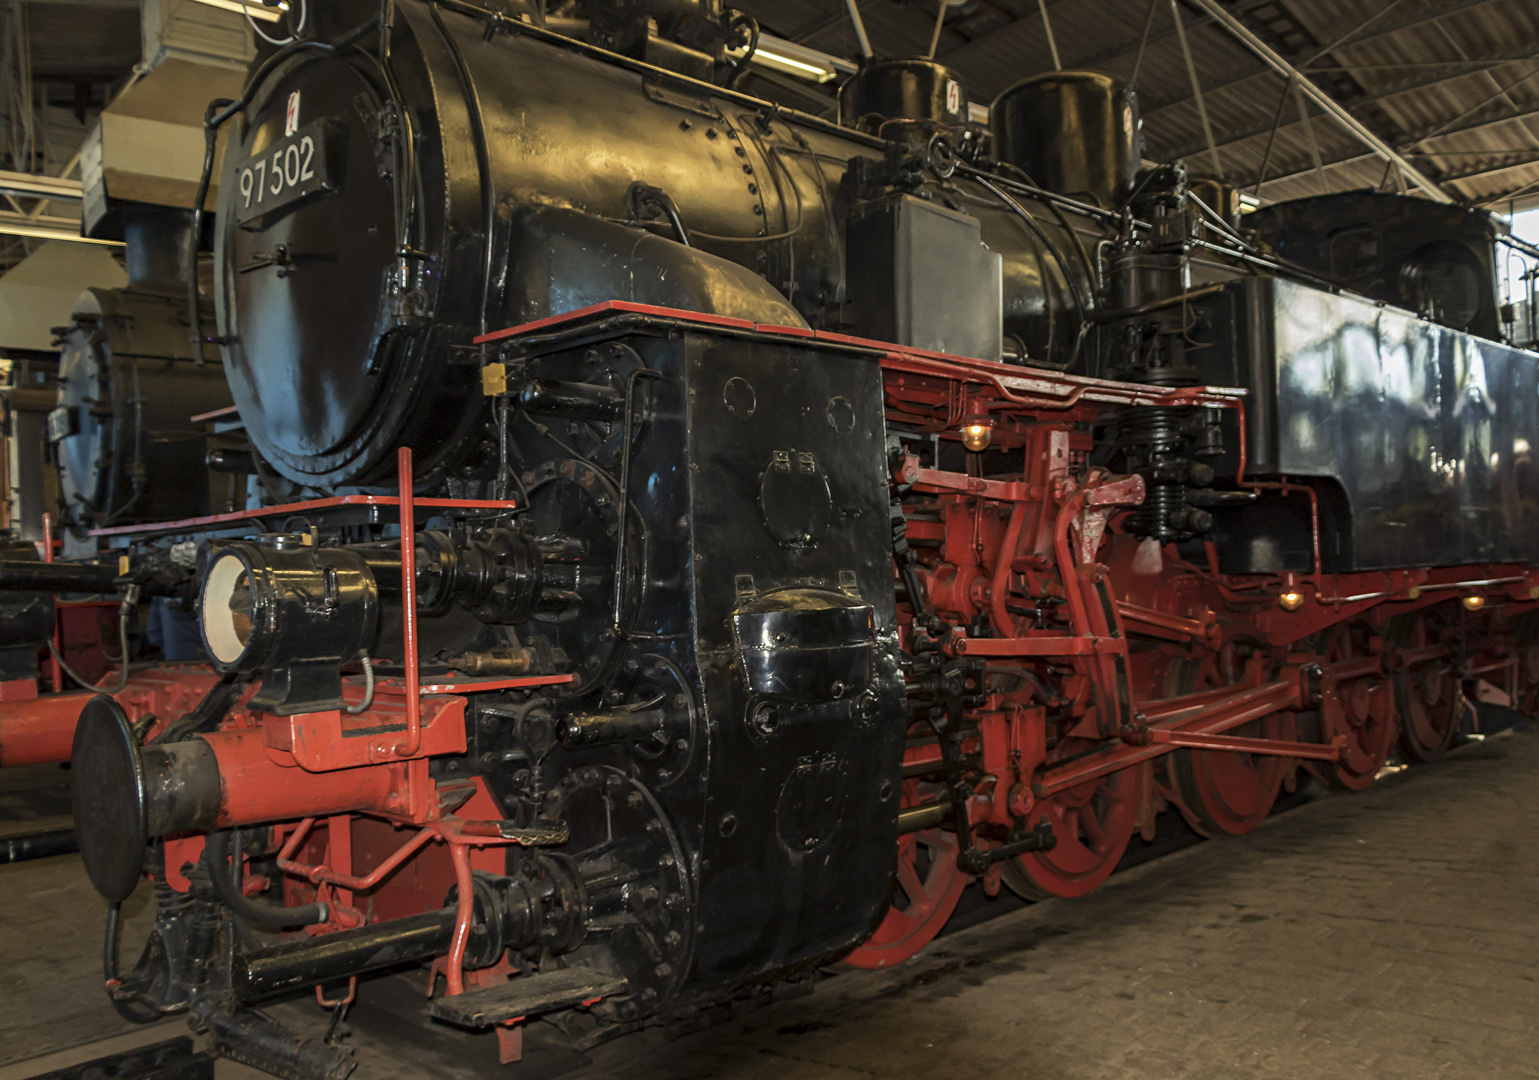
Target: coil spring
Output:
[(1152, 440), (1162, 502)]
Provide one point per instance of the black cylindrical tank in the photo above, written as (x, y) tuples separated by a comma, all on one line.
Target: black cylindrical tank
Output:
[(124, 444), (902, 90), (349, 299), (1074, 132)]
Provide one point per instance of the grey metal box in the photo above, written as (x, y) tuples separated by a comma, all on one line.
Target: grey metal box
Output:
[(920, 275)]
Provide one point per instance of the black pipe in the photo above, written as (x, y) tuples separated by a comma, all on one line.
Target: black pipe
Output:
[(1157, 305), (38, 845), (222, 874), (31, 576), (572, 400), (195, 233), (305, 962)]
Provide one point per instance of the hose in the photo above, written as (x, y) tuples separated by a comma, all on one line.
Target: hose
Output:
[(222, 872), (740, 66), (368, 687), (122, 644), (645, 201), (134, 1011)]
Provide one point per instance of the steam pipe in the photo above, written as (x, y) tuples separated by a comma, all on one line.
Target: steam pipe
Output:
[(464, 917), (303, 961)]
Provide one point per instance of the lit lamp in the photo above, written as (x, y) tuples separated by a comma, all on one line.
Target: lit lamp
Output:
[(256, 9), (1290, 599), (977, 432), (1474, 603)]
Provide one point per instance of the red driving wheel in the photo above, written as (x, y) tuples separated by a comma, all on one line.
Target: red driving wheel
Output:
[(1223, 792), (1427, 695), (927, 887), (1092, 822), (1361, 708)]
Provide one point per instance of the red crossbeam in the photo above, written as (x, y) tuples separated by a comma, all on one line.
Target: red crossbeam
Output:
[(1199, 714), (1161, 624), (1046, 645), (1335, 750)]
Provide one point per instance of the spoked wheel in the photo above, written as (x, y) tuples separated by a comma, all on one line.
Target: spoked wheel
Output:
[(1362, 709), (1427, 695), (927, 889), (1092, 823), (1223, 792)]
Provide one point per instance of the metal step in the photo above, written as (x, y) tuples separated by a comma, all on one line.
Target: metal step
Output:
[(527, 996)]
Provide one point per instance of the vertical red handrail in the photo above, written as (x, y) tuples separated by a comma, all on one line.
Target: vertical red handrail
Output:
[(54, 673), (413, 741)]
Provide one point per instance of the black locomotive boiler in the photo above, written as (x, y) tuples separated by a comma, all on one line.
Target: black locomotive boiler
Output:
[(721, 534)]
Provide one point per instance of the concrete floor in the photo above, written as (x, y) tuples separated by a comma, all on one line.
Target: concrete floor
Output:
[(1393, 934)]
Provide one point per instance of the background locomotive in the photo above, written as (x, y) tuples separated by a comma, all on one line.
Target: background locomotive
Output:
[(717, 603), (126, 448)]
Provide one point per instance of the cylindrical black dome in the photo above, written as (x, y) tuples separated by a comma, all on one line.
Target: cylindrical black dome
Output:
[(1074, 132), (902, 90)]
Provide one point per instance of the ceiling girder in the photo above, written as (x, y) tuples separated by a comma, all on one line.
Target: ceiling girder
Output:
[(1358, 158), (1408, 140), (1250, 40), (1388, 29), (1454, 177), (1461, 69)]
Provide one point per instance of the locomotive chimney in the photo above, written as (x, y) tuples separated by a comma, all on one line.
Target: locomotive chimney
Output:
[(155, 247)]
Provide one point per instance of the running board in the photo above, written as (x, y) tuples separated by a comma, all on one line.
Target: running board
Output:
[(528, 996)]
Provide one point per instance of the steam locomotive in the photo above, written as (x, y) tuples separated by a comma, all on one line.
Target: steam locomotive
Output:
[(721, 534), (126, 449)]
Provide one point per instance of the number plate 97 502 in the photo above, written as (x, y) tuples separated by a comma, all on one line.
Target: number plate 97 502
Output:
[(287, 171)]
